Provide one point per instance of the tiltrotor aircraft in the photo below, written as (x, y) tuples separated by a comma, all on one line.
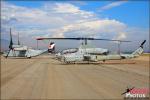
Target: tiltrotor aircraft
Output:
[(21, 50), (90, 54)]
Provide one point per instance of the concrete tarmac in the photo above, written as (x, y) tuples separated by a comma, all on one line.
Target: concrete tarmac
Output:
[(46, 78)]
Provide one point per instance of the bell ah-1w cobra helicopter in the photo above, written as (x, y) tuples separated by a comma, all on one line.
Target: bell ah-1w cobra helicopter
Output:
[(19, 50), (90, 54)]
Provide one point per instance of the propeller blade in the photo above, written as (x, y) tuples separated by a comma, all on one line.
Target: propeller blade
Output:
[(11, 42), (8, 53)]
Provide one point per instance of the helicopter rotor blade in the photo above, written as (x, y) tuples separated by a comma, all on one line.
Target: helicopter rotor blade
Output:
[(8, 53), (142, 43), (111, 40), (81, 38)]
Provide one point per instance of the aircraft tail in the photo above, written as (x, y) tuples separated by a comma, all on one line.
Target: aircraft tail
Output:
[(51, 47), (140, 50)]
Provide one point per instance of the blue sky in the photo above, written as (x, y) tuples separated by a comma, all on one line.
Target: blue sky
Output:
[(103, 19)]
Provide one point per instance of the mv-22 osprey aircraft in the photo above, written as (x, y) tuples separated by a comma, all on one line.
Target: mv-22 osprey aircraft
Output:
[(91, 54), (19, 50)]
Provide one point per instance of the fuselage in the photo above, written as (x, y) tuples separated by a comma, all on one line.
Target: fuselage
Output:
[(81, 50), (22, 51), (81, 55)]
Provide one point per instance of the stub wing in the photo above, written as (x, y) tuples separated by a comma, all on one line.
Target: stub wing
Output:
[(23, 53)]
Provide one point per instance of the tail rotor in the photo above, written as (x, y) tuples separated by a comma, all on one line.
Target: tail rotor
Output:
[(142, 43), (140, 50)]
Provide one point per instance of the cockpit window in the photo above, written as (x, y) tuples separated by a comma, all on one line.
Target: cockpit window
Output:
[(69, 51)]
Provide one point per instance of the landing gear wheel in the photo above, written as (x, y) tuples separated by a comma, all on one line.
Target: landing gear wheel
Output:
[(29, 57), (64, 60)]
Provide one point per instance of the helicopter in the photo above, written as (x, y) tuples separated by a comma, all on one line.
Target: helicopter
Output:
[(86, 53), (18, 50)]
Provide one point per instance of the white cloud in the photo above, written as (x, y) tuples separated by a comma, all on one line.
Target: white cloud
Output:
[(93, 28), (121, 36), (111, 5), (66, 8), (58, 35), (58, 19)]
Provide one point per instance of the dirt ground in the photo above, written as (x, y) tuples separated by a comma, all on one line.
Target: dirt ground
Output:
[(46, 78)]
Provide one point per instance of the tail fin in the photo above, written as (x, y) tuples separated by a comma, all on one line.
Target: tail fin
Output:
[(51, 47), (140, 50)]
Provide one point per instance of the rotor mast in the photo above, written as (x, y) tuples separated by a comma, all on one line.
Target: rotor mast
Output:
[(85, 41), (18, 39), (119, 47)]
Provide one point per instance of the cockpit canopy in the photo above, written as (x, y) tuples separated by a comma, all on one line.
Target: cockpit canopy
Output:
[(68, 51)]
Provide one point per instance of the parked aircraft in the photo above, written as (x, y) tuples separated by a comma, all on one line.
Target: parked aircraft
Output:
[(86, 53), (18, 50)]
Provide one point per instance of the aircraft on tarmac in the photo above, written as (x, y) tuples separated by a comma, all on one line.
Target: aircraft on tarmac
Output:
[(21, 50), (90, 54)]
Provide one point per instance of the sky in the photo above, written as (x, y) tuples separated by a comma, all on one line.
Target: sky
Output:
[(123, 20)]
